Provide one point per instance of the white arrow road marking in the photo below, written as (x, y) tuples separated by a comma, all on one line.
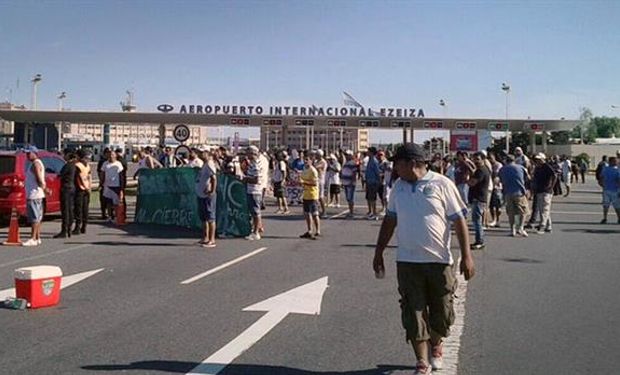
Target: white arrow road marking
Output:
[(221, 267), (305, 299), (66, 282)]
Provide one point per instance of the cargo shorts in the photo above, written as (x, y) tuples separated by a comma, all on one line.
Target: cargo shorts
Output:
[(427, 299)]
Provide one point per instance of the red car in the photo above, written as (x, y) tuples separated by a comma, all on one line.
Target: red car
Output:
[(13, 166)]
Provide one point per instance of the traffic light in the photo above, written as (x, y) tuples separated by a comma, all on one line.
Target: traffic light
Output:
[(534, 126), (401, 124), (239, 121), (272, 121), (332, 122), (433, 124), (498, 126), (369, 123), (465, 125), (304, 122)]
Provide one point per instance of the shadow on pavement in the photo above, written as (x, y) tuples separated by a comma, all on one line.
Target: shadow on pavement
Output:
[(594, 231), (577, 202), (245, 369), (124, 243), (370, 246), (522, 260)]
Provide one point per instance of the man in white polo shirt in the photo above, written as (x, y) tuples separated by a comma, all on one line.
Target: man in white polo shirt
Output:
[(424, 203)]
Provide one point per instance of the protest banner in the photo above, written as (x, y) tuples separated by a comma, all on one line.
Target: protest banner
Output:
[(232, 215)]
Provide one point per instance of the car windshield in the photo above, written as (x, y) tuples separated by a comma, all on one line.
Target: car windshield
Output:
[(7, 164)]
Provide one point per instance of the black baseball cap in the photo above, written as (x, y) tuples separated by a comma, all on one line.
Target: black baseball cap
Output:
[(409, 151)]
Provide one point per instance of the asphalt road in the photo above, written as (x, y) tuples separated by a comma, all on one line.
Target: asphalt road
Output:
[(541, 305)]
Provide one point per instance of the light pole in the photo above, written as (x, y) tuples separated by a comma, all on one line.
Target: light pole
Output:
[(35, 83), (61, 97), (276, 133), (506, 89)]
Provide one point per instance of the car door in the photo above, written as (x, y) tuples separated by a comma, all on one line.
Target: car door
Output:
[(53, 165)]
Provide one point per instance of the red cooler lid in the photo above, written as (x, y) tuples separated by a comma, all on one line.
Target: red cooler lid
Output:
[(37, 272)]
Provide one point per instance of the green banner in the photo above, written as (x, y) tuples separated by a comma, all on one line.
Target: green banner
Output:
[(232, 215), (167, 196)]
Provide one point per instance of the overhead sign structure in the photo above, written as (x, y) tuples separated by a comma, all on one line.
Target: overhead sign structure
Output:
[(181, 133), (305, 299), (498, 126)]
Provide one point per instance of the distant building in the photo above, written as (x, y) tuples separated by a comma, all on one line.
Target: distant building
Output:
[(328, 139)]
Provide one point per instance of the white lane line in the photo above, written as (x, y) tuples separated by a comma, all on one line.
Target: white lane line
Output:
[(452, 344), (43, 255), (221, 267), (338, 215)]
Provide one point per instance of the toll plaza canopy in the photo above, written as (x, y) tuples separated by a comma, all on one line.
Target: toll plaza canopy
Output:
[(385, 122)]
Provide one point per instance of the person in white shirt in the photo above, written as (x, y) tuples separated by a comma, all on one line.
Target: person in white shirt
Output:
[(264, 160), (333, 180), (194, 161), (111, 175), (320, 164), (280, 173), (566, 173), (422, 208), (35, 193), (254, 181)]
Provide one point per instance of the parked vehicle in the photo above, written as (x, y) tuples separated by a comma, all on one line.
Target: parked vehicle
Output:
[(13, 167)]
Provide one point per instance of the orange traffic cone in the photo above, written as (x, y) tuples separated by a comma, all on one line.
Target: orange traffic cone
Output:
[(13, 239), (121, 214)]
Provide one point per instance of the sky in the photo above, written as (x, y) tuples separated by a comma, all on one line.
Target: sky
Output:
[(557, 56)]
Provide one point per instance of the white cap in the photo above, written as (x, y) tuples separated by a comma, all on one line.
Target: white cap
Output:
[(253, 150), (320, 152)]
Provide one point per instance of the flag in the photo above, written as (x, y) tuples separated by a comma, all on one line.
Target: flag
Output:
[(348, 100)]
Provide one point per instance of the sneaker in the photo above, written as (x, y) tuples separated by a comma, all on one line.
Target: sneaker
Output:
[(278, 211), (522, 233), (422, 368), (475, 246), (513, 233), (306, 235), (528, 226), (208, 245), (39, 241), (437, 357), (548, 230), (497, 225), (318, 234), (349, 216), (337, 205), (253, 237), (31, 242), (286, 212), (492, 224), (540, 231), (604, 221)]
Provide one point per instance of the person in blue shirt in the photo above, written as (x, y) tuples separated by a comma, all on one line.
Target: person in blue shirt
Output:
[(610, 182), (373, 183), (514, 177)]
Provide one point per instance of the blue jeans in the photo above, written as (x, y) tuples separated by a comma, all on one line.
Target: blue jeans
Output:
[(464, 191), (477, 210)]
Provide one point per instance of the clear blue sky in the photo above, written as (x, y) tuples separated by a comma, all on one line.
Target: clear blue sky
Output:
[(557, 56)]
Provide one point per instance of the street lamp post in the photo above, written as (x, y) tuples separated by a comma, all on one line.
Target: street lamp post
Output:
[(506, 89), (61, 97), (35, 84)]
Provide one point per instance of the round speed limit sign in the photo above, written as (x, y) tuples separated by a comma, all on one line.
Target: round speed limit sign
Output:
[(181, 133)]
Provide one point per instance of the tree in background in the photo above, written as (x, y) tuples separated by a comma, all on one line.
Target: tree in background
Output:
[(606, 127)]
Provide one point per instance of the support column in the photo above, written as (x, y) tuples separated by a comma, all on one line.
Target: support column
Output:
[(544, 141), (411, 138), (533, 143), (404, 135)]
